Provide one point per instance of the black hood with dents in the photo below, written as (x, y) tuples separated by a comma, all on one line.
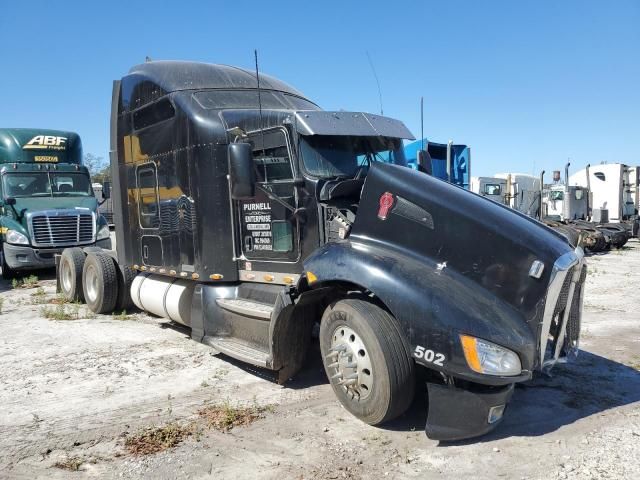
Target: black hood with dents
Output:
[(446, 262), (486, 243)]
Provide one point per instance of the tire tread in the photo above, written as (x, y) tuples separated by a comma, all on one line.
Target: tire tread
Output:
[(106, 300), (395, 351)]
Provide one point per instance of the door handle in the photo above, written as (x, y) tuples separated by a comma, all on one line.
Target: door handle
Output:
[(248, 243), (145, 251)]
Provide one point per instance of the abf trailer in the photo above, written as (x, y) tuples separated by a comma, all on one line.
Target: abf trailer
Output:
[(250, 215)]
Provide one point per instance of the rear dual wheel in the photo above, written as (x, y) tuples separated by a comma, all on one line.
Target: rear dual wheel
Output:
[(70, 274), (366, 360), (97, 279), (100, 282)]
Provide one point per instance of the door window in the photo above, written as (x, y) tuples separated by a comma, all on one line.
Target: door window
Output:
[(268, 230), (148, 207), (492, 189)]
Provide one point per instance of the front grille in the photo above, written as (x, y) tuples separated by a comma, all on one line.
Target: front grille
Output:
[(558, 311), (573, 324), (62, 229), (561, 319)]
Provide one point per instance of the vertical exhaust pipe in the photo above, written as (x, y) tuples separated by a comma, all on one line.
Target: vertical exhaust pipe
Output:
[(588, 192), (566, 174), (540, 198), (449, 147)]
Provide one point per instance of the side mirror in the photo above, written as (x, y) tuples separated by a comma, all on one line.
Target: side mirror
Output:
[(106, 190), (10, 201), (424, 162), (241, 172)]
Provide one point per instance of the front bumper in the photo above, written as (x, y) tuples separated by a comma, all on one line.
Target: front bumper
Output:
[(23, 257), (456, 413)]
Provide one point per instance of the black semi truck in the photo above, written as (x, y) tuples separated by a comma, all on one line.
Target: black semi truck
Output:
[(248, 214)]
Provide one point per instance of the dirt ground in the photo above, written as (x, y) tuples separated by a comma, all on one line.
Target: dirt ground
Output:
[(72, 391)]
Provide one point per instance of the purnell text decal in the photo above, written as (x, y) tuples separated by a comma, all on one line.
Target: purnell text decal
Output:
[(256, 218)]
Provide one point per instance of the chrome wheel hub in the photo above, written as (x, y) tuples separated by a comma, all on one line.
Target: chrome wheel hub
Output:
[(67, 281), (349, 364), (91, 283)]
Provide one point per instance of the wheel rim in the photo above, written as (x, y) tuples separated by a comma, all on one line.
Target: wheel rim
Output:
[(349, 363), (91, 283), (67, 281)]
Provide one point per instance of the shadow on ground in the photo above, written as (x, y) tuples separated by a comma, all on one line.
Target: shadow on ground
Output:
[(589, 385), (48, 274)]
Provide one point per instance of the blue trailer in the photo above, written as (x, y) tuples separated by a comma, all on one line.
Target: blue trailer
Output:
[(449, 162)]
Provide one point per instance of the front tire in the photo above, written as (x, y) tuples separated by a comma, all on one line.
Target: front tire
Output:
[(8, 273), (366, 360)]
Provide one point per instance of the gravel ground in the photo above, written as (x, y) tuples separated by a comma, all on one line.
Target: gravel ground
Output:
[(73, 390)]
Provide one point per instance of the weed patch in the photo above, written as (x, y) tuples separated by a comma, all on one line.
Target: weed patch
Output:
[(60, 299), (27, 282), (60, 312), (157, 439), (122, 316), (39, 297), (71, 463), (224, 416)]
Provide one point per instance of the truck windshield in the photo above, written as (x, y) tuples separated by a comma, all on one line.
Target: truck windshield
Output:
[(328, 156), (46, 184)]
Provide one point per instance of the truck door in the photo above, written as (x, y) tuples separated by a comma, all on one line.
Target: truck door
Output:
[(149, 213), (268, 231)]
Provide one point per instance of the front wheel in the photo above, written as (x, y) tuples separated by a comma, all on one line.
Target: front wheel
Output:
[(366, 360), (8, 273)]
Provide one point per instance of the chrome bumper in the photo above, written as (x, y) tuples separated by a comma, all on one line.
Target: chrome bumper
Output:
[(563, 309)]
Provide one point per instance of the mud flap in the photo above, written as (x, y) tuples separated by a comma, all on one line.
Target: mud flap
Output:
[(456, 414)]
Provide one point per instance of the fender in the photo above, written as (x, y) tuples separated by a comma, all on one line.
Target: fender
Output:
[(432, 303), (8, 223)]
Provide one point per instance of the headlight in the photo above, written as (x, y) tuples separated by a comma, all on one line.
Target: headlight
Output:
[(488, 358), (16, 238), (103, 233)]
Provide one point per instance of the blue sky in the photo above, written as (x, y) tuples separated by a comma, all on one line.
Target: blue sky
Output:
[(526, 84)]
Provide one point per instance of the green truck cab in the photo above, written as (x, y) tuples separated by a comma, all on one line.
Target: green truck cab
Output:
[(46, 199)]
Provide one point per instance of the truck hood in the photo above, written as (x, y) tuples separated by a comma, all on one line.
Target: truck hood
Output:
[(454, 229), (30, 205)]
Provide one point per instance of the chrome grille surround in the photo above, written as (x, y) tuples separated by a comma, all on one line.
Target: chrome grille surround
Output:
[(562, 309), (62, 228)]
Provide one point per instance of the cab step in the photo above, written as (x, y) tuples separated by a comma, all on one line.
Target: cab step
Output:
[(247, 308), (240, 350)]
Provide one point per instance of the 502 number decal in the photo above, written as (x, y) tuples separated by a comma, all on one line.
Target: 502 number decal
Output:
[(429, 356)]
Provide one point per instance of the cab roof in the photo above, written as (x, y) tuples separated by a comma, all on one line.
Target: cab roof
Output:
[(175, 75)]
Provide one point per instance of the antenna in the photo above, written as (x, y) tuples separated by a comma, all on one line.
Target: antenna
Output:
[(422, 121), (375, 75), (255, 53)]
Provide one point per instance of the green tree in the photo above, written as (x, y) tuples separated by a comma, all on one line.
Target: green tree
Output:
[(99, 168)]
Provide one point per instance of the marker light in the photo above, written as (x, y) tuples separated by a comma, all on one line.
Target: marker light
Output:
[(488, 358)]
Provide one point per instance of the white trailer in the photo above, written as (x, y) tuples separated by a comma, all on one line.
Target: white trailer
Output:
[(613, 187), (491, 187), (523, 192), (564, 203)]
